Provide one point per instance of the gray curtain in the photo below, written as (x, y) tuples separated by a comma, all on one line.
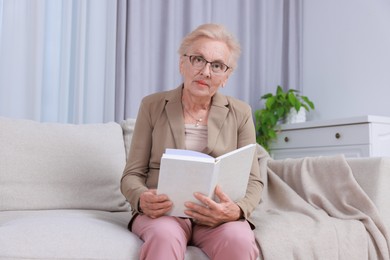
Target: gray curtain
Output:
[(57, 60), (149, 33)]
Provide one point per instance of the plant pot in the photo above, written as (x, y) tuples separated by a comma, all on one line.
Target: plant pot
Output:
[(296, 117)]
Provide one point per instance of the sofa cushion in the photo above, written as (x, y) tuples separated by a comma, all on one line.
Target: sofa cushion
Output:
[(67, 234), (60, 166), (71, 234)]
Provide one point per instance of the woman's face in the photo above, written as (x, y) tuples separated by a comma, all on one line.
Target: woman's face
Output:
[(204, 82)]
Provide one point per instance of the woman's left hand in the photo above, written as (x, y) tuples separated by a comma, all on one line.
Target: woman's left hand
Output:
[(212, 213)]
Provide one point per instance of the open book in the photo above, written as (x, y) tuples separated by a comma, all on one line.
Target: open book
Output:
[(183, 172)]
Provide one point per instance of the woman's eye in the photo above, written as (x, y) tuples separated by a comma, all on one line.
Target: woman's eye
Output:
[(198, 59), (216, 65)]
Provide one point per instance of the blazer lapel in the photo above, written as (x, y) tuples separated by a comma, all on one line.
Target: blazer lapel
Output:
[(175, 116), (217, 116)]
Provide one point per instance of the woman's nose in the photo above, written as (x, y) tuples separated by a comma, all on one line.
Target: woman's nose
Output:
[(206, 70)]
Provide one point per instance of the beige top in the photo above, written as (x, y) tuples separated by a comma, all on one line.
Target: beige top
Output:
[(195, 137)]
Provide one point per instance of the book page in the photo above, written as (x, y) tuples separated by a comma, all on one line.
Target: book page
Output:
[(181, 154), (179, 179), (184, 152), (234, 171)]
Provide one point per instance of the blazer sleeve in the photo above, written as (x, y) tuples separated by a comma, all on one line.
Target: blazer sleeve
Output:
[(135, 174), (247, 135)]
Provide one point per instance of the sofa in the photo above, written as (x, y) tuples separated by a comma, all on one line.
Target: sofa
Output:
[(60, 198)]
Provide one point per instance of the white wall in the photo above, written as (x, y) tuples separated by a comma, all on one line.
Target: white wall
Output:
[(346, 57)]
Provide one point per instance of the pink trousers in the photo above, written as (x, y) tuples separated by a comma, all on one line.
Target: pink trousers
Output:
[(167, 238)]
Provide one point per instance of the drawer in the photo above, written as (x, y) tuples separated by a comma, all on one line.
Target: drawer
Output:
[(351, 151), (357, 134)]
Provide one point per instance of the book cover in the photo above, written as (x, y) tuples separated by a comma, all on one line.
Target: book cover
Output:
[(183, 172)]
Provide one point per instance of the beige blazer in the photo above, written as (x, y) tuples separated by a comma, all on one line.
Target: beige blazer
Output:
[(160, 125)]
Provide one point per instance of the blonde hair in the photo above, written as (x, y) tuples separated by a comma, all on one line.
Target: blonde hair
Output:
[(213, 32)]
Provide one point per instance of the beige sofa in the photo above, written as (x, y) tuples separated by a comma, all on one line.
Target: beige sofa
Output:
[(60, 197)]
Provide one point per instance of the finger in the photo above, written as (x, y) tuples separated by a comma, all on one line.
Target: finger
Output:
[(202, 220), (159, 197), (159, 206), (209, 203), (153, 198), (157, 209), (155, 213), (153, 191), (223, 197)]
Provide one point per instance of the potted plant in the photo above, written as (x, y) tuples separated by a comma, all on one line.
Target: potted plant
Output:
[(277, 107)]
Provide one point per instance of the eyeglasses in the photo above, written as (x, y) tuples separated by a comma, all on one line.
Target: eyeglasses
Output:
[(199, 63)]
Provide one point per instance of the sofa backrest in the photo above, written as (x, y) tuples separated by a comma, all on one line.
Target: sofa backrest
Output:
[(128, 128), (61, 166)]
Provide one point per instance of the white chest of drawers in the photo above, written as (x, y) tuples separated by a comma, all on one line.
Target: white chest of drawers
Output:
[(365, 136)]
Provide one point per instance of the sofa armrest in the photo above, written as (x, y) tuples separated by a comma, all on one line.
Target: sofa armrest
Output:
[(373, 175)]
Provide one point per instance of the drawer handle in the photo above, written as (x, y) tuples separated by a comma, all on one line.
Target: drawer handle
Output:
[(337, 135), (286, 139)]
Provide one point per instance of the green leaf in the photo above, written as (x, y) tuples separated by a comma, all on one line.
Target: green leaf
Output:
[(307, 100), (292, 99), (280, 92), (280, 112), (270, 101), (297, 105), (266, 96), (272, 134), (306, 107)]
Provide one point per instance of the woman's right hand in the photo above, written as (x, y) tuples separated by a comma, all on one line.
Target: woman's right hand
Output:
[(154, 205)]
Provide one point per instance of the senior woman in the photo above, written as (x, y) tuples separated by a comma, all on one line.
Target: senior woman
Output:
[(193, 116)]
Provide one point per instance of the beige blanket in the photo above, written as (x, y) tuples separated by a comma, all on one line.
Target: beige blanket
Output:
[(313, 209)]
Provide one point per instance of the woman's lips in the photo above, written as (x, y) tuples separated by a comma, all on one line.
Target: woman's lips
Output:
[(201, 82)]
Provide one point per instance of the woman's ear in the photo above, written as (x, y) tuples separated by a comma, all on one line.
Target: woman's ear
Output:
[(224, 81)]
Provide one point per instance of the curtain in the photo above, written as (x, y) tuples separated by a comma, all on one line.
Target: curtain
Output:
[(91, 61), (150, 33), (57, 60)]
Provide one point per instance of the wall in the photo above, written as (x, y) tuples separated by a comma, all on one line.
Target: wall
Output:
[(346, 57)]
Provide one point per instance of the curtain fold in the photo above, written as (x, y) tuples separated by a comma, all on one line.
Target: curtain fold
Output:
[(120, 60)]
